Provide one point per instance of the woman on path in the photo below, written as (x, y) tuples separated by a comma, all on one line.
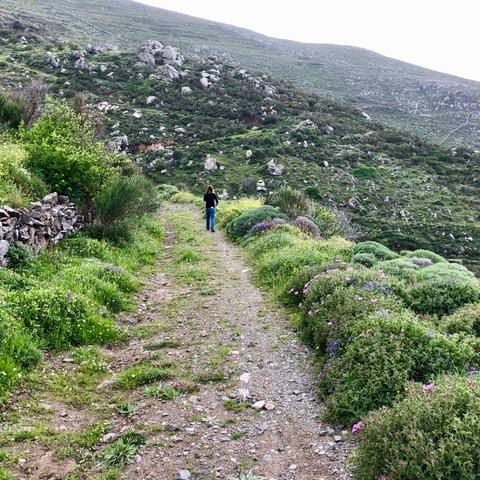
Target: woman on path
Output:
[(211, 201)]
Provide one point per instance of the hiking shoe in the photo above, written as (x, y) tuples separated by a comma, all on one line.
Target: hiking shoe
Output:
[(213, 230)]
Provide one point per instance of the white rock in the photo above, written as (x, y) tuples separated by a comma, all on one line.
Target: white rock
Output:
[(204, 83), (169, 72), (186, 91), (325, 163), (275, 169), (137, 114), (245, 377), (259, 405), (269, 406), (248, 154), (210, 164), (151, 99)]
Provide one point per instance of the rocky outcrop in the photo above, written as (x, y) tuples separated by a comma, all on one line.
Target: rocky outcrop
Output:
[(274, 168), (44, 223), (154, 52), (210, 164)]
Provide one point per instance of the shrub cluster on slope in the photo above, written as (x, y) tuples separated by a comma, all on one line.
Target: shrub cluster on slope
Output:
[(67, 296), (388, 329)]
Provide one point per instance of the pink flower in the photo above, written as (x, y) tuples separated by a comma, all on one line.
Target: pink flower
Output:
[(383, 477), (428, 387), (357, 426)]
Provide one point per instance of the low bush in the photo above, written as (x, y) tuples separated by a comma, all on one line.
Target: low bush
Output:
[(185, 197), (83, 246), (365, 259), (18, 255), (292, 203), (440, 297), (434, 257), (377, 249), (385, 353), (432, 434), (326, 221), (400, 267), (264, 226), (241, 225), (277, 267), (466, 319), (307, 226), (165, 191), (273, 239), (123, 201), (230, 210), (59, 318), (446, 271)]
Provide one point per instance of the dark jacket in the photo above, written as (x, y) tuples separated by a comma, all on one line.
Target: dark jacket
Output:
[(211, 200)]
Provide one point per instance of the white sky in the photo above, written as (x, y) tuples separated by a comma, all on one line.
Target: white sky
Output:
[(443, 35)]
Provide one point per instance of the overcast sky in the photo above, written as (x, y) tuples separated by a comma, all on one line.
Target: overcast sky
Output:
[(443, 35)]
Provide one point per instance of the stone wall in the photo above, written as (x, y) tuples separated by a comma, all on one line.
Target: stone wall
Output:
[(44, 223)]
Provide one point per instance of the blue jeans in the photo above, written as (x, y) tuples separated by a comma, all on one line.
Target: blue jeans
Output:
[(210, 214)]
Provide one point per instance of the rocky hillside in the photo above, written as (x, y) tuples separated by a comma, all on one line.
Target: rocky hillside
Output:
[(438, 106), (191, 121)]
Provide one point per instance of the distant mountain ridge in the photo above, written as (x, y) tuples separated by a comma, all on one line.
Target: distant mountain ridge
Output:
[(438, 106)]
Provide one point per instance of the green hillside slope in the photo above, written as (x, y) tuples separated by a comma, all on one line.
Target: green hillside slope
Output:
[(439, 106)]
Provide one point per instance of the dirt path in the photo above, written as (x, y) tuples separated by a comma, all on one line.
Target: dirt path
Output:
[(239, 397), (263, 362)]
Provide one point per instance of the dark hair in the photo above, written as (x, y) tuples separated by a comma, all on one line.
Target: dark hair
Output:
[(209, 189)]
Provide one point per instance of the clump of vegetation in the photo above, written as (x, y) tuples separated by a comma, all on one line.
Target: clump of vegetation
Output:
[(230, 210), (18, 254), (434, 432), (141, 374), (292, 203), (379, 251)]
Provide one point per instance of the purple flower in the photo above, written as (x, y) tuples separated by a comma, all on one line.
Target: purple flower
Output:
[(428, 387), (332, 347), (357, 426), (383, 477)]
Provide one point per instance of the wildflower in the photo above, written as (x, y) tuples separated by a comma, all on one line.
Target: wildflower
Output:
[(383, 477), (357, 426), (428, 387), (332, 347)]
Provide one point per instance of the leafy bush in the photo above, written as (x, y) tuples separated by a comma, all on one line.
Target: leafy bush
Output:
[(18, 186), (277, 267), (123, 201), (307, 226), (465, 319), (61, 147), (18, 254), (291, 202), (446, 271), (377, 249), (11, 111), (241, 225), (432, 434), (273, 239), (17, 351), (327, 221), (166, 191), (434, 257), (232, 209), (61, 318), (400, 267), (440, 297), (385, 353), (83, 246), (264, 226), (185, 197), (366, 259)]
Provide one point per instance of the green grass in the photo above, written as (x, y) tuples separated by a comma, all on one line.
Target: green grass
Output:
[(141, 374)]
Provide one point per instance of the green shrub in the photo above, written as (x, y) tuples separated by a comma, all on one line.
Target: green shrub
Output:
[(11, 110), (291, 202), (60, 318), (61, 147), (400, 267), (271, 240), (241, 225), (82, 246), (18, 254), (377, 249), (166, 191), (307, 226), (446, 271), (385, 353), (366, 259), (465, 319), (434, 257), (326, 221), (280, 265), (432, 434), (124, 200), (440, 297), (185, 197), (229, 210)]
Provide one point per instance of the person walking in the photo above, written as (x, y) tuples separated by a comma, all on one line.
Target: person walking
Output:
[(211, 201)]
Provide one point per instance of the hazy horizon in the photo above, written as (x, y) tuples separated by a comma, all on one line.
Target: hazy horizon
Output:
[(426, 33)]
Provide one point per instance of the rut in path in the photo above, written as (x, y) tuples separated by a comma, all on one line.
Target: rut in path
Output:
[(265, 362)]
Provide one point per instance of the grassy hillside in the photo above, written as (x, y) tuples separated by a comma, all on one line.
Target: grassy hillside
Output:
[(439, 106), (398, 188)]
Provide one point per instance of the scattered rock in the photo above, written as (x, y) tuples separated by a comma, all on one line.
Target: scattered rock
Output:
[(186, 90), (183, 475), (274, 168), (210, 164)]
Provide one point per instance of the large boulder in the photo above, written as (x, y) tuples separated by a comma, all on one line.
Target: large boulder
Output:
[(210, 164), (52, 59), (186, 91), (274, 168), (168, 72), (118, 144)]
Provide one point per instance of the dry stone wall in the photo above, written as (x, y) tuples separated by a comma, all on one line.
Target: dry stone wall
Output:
[(44, 223)]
